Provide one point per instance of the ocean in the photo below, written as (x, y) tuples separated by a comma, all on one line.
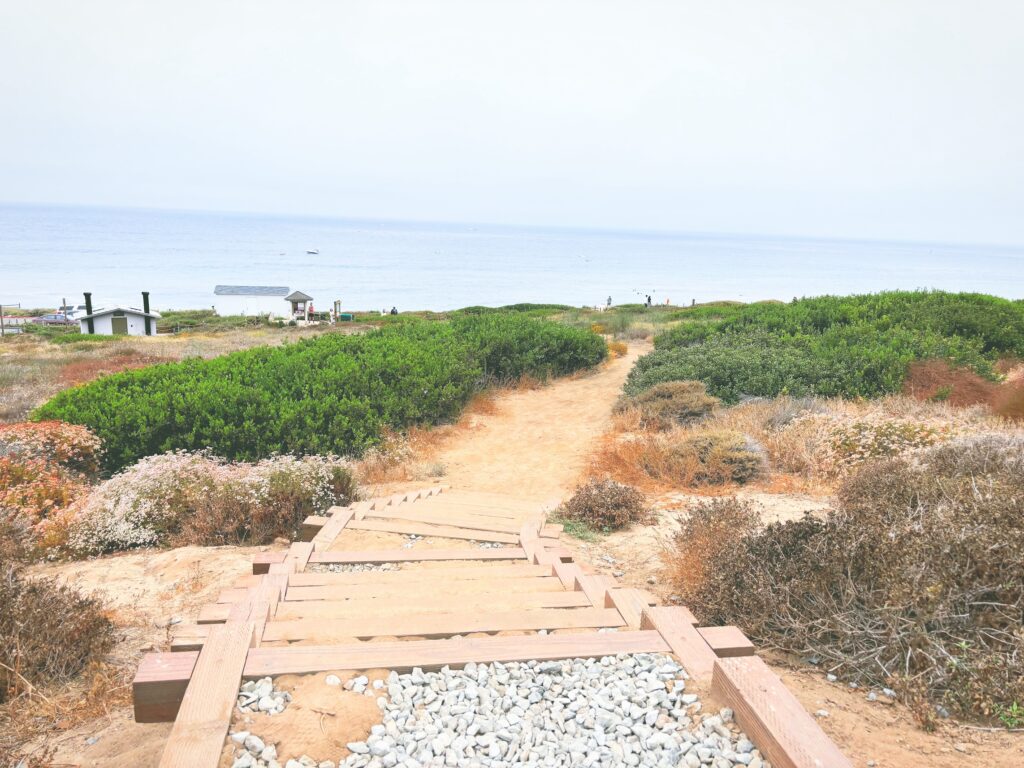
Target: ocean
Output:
[(48, 253)]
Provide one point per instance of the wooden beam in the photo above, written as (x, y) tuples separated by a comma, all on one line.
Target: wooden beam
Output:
[(339, 518), (417, 555), (311, 526), (727, 642), (159, 685), (594, 586), (628, 602), (453, 572), (205, 713), (403, 655), (453, 589), (190, 637), (262, 561), (676, 625), (474, 522), (214, 613), (428, 529), (772, 717)]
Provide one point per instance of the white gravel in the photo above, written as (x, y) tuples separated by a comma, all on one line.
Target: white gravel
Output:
[(629, 710), (262, 696)]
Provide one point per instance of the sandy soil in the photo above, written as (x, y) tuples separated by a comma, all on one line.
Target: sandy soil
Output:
[(533, 444)]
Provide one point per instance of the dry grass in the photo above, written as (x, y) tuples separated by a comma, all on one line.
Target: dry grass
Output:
[(669, 404), (913, 581), (26, 721), (808, 443)]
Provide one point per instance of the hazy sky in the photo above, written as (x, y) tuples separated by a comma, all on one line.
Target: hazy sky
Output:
[(856, 118)]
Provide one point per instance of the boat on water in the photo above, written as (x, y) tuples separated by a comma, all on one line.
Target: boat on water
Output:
[(313, 251)]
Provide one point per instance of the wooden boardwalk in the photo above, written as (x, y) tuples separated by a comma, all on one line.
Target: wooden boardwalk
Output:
[(290, 616)]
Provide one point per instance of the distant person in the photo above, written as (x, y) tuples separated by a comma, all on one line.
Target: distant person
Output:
[(311, 310), (609, 301), (394, 311), (648, 300)]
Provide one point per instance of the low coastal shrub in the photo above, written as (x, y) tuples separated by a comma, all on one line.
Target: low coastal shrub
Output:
[(912, 582), (183, 498), (716, 457), (670, 403), (333, 394), (48, 632), (605, 505), (833, 346), (68, 445)]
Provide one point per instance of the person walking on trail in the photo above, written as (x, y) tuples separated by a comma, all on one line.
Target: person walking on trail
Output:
[(394, 311), (609, 301)]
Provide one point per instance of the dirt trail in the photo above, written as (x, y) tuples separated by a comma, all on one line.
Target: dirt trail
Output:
[(536, 443)]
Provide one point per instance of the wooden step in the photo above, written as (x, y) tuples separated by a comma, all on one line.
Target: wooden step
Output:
[(190, 637), (432, 531), (401, 656), (452, 589), (772, 717)]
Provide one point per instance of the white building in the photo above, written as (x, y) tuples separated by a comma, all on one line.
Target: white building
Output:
[(119, 321)]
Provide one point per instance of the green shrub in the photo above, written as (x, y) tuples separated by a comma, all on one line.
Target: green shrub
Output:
[(605, 505), (332, 394), (831, 346), (670, 403)]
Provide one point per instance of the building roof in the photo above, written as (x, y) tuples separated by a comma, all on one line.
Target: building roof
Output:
[(126, 310), (250, 290), (297, 296)]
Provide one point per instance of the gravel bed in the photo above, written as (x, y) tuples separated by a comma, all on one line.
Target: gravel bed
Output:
[(350, 567), (261, 696), (629, 710)]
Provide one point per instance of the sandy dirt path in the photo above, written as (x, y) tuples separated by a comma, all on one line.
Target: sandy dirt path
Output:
[(536, 442)]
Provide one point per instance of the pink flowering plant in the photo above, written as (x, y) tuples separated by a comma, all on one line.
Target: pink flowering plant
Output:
[(183, 498)]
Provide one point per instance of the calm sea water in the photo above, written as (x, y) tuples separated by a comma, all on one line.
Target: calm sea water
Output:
[(47, 253)]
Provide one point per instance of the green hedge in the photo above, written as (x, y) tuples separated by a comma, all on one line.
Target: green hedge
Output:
[(835, 346), (331, 394)]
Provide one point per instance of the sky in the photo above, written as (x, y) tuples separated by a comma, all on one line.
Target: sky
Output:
[(870, 119)]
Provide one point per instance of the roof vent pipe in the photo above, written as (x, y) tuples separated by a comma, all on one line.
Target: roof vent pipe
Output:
[(88, 313), (145, 308)]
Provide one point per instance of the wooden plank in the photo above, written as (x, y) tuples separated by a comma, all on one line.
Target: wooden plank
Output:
[(445, 572), (727, 642), (453, 506), (403, 655), (594, 586), (340, 609), (262, 561), (213, 613), (190, 637), (202, 723), (528, 539), (628, 602), (676, 625), (568, 573), (340, 517), (159, 685), (417, 555), (772, 717), (449, 588), (311, 526), (442, 518), (435, 531)]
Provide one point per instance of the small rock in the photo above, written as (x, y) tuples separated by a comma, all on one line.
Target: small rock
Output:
[(822, 713), (332, 680)]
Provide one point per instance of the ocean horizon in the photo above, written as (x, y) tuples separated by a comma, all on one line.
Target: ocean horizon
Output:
[(50, 253)]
